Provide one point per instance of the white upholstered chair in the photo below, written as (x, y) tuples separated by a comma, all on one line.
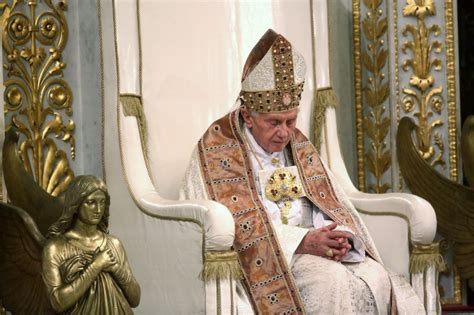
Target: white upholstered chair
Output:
[(182, 61)]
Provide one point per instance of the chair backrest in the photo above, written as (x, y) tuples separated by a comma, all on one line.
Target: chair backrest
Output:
[(185, 61), (192, 57)]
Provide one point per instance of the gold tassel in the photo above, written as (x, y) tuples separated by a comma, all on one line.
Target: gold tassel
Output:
[(132, 106), (324, 99), (424, 256), (221, 265)]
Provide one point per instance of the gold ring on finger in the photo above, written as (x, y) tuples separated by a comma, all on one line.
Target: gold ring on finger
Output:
[(329, 252)]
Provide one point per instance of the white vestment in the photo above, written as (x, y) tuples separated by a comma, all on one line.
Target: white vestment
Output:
[(325, 286)]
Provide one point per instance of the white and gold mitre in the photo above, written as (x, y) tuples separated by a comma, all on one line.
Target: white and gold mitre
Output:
[(273, 76)]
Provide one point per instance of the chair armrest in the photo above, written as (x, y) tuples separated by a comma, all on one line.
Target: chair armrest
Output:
[(419, 213), (214, 218)]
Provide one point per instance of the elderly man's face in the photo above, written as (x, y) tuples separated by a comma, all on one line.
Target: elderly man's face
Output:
[(271, 130)]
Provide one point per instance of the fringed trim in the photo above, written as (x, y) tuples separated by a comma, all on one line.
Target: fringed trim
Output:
[(324, 99), (132, 106), (221, 265), (424, 256)]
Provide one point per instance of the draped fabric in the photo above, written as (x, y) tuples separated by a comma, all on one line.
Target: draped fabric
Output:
[(66, 266), (327, 287)]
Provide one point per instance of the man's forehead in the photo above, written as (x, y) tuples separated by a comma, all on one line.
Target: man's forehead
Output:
[(293, 114)]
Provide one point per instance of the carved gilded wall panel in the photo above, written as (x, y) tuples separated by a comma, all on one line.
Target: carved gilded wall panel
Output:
[(421, 83), (375, 94), (37, 98), (415, 78), (423, 94)]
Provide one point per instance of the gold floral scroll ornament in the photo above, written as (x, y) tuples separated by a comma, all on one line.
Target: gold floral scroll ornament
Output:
[(282, 188), (424, 95), (36, 95)]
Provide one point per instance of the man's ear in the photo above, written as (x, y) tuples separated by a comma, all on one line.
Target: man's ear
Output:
[(247, 117)]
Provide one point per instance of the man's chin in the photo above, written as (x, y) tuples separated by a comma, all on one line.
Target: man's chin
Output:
[(278, 147)]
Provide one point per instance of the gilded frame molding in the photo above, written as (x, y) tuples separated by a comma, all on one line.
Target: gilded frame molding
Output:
[(451, 89), (102, 88), (397, 85), (453, 119), (359, 116)]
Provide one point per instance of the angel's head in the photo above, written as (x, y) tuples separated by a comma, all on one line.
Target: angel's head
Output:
[(77, 195)]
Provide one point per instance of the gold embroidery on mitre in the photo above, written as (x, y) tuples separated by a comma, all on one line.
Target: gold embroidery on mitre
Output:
[(272, 101), (282, 188), (286, 95), (283, 64)]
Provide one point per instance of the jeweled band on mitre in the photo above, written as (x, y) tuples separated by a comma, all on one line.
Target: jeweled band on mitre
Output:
[(273, 100)]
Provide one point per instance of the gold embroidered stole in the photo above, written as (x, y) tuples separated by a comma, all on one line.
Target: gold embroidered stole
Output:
[(226, 168)]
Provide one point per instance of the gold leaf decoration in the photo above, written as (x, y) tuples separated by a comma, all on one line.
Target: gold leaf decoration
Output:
[(36, 94), (424, 97), (419, 8), (376, 93)]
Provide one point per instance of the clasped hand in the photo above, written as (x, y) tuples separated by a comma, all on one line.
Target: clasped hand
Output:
[(106, 260), (318, 242)]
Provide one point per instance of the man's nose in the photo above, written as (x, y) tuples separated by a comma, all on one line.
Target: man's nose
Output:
[(284, 131)]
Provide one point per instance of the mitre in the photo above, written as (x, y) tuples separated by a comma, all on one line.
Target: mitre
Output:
[(273, 75)]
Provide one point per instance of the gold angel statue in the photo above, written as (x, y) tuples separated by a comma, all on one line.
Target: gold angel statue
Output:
[(78, 268), (84, 268)]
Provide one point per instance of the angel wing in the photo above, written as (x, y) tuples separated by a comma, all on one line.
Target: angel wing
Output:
[(467, 149), (21, 243), (23, 225), (453, 203), (23, 191)]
